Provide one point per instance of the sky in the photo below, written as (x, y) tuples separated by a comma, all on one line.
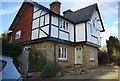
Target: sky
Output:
[(108, 10)]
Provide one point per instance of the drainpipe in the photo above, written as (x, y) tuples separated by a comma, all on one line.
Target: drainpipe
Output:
[(55, 44)]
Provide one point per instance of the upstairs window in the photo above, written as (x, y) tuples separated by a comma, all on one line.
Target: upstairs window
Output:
[(63, 25), (18, 35), (67, 26), (60, 23), (62, 53)]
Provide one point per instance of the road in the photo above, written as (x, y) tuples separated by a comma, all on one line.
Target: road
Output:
[(105, 72)]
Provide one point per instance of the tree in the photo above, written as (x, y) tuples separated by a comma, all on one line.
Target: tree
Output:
[(3, 36), (12, 50), (113, 48)]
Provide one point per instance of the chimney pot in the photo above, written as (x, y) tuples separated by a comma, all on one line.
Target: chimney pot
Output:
[(55, 6), (67, 12)]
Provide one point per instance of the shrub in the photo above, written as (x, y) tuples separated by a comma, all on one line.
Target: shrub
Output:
[(37, 59), (12, 50), (40, 63), (49, 70)]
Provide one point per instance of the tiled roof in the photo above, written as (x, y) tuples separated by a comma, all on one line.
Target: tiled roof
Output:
[(81, 15)]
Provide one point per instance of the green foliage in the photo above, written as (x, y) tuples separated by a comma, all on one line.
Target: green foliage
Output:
[(3, 35), (64, 67), (40, 63), (37, 59), (49, 70), (113, 48), (12, 50)]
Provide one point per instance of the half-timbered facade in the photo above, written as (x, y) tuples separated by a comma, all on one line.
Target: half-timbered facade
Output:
[(71, 39)]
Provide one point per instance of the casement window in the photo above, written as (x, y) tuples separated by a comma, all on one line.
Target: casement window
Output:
[(91, 54), (63, 25), (67, 26), (60, 23), (18, 35), (62, 53)]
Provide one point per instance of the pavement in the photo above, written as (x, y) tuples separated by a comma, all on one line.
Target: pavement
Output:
[(105, 72)]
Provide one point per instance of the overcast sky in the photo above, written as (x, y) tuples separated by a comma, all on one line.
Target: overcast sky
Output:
[(108, 10)]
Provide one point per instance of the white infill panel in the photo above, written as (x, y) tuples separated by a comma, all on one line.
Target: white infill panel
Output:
[(47, 19), (43, 13), (71, 29), (42, 34), (46, 29), (63, 35), (80, 32), (42, 21), (54, 31), (35, 23), (55, 20), (35, 8), (34, 34), (94, 40), (36, 14)]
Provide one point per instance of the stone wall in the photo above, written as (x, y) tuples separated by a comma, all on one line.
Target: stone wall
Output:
[(49, 48), (86, 55)]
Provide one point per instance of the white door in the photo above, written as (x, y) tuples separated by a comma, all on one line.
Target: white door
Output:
[(78, 55)]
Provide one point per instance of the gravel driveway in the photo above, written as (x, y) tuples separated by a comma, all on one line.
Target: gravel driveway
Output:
[(105, 72)]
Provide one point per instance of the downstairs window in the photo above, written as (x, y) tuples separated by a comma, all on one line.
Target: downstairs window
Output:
[(62, 53)]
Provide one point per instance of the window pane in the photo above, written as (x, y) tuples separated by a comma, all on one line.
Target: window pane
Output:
[(67, 26), (65, 53), (64, 25), (60, 23), (59, 52), (18, 34)]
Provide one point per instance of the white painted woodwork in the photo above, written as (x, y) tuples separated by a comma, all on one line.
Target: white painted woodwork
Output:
[(80, 32), (63, 35), (35, 34), (93, 31), (42, 34), (54, 31), (43, 12), (42, 21), (71, 29), (35, 23), (35, 8), (46, 29), (47, 19), (38, 22), (36, 14), (54, 20)]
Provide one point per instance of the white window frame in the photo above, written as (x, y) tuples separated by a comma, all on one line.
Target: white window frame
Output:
[(62, 53), (92, 57), (64, 25), (18, 35)]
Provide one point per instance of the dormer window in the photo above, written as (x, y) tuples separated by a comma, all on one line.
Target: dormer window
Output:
[(18, 35)]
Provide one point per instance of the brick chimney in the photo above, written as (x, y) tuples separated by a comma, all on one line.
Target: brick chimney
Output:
[(55, 6), (67, 12)]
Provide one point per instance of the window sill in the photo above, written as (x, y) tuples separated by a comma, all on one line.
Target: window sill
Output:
[(62, 60)]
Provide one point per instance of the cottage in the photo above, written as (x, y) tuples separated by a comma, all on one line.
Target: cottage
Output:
[(71, 39)]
